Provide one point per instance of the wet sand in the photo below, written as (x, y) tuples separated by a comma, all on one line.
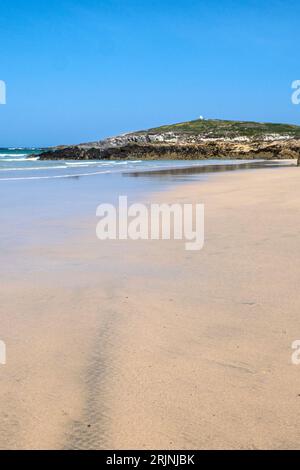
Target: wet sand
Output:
[(145, 345)]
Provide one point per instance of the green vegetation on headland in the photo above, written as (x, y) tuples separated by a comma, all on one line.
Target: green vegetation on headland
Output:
[(198, 139), (221, 128)]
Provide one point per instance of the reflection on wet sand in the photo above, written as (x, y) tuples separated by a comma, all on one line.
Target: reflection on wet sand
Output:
[(200, 169)]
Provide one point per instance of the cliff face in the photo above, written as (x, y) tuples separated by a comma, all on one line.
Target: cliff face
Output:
[(191, 141)]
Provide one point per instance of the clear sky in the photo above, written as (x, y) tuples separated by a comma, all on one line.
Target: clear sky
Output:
[(80, 70)]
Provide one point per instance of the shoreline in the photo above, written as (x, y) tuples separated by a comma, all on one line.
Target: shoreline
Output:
[(214, 168)]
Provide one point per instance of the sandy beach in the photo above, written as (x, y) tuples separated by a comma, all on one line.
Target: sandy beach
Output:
[(143, 345)]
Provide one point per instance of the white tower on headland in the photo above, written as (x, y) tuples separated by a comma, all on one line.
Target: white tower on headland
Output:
[(201, 118)]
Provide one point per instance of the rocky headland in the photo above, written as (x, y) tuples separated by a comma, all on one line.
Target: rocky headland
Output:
[(199, 139)]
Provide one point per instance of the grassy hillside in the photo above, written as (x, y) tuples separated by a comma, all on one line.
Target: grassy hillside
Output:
[(219, 128)]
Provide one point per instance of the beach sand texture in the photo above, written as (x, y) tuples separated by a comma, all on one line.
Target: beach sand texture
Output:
[(144, 345)]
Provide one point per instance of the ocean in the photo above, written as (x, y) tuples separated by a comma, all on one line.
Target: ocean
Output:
[(22, 164)]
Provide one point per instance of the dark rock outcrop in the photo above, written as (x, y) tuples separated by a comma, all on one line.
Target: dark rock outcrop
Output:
[(205, 150), (191, 141)]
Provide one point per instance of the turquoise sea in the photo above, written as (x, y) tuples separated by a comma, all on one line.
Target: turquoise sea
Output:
[(22, 164)]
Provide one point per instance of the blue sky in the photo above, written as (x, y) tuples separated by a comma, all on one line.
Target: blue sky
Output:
[(80, 70)]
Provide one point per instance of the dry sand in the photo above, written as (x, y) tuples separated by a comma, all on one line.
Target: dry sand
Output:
[(145, 345)]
